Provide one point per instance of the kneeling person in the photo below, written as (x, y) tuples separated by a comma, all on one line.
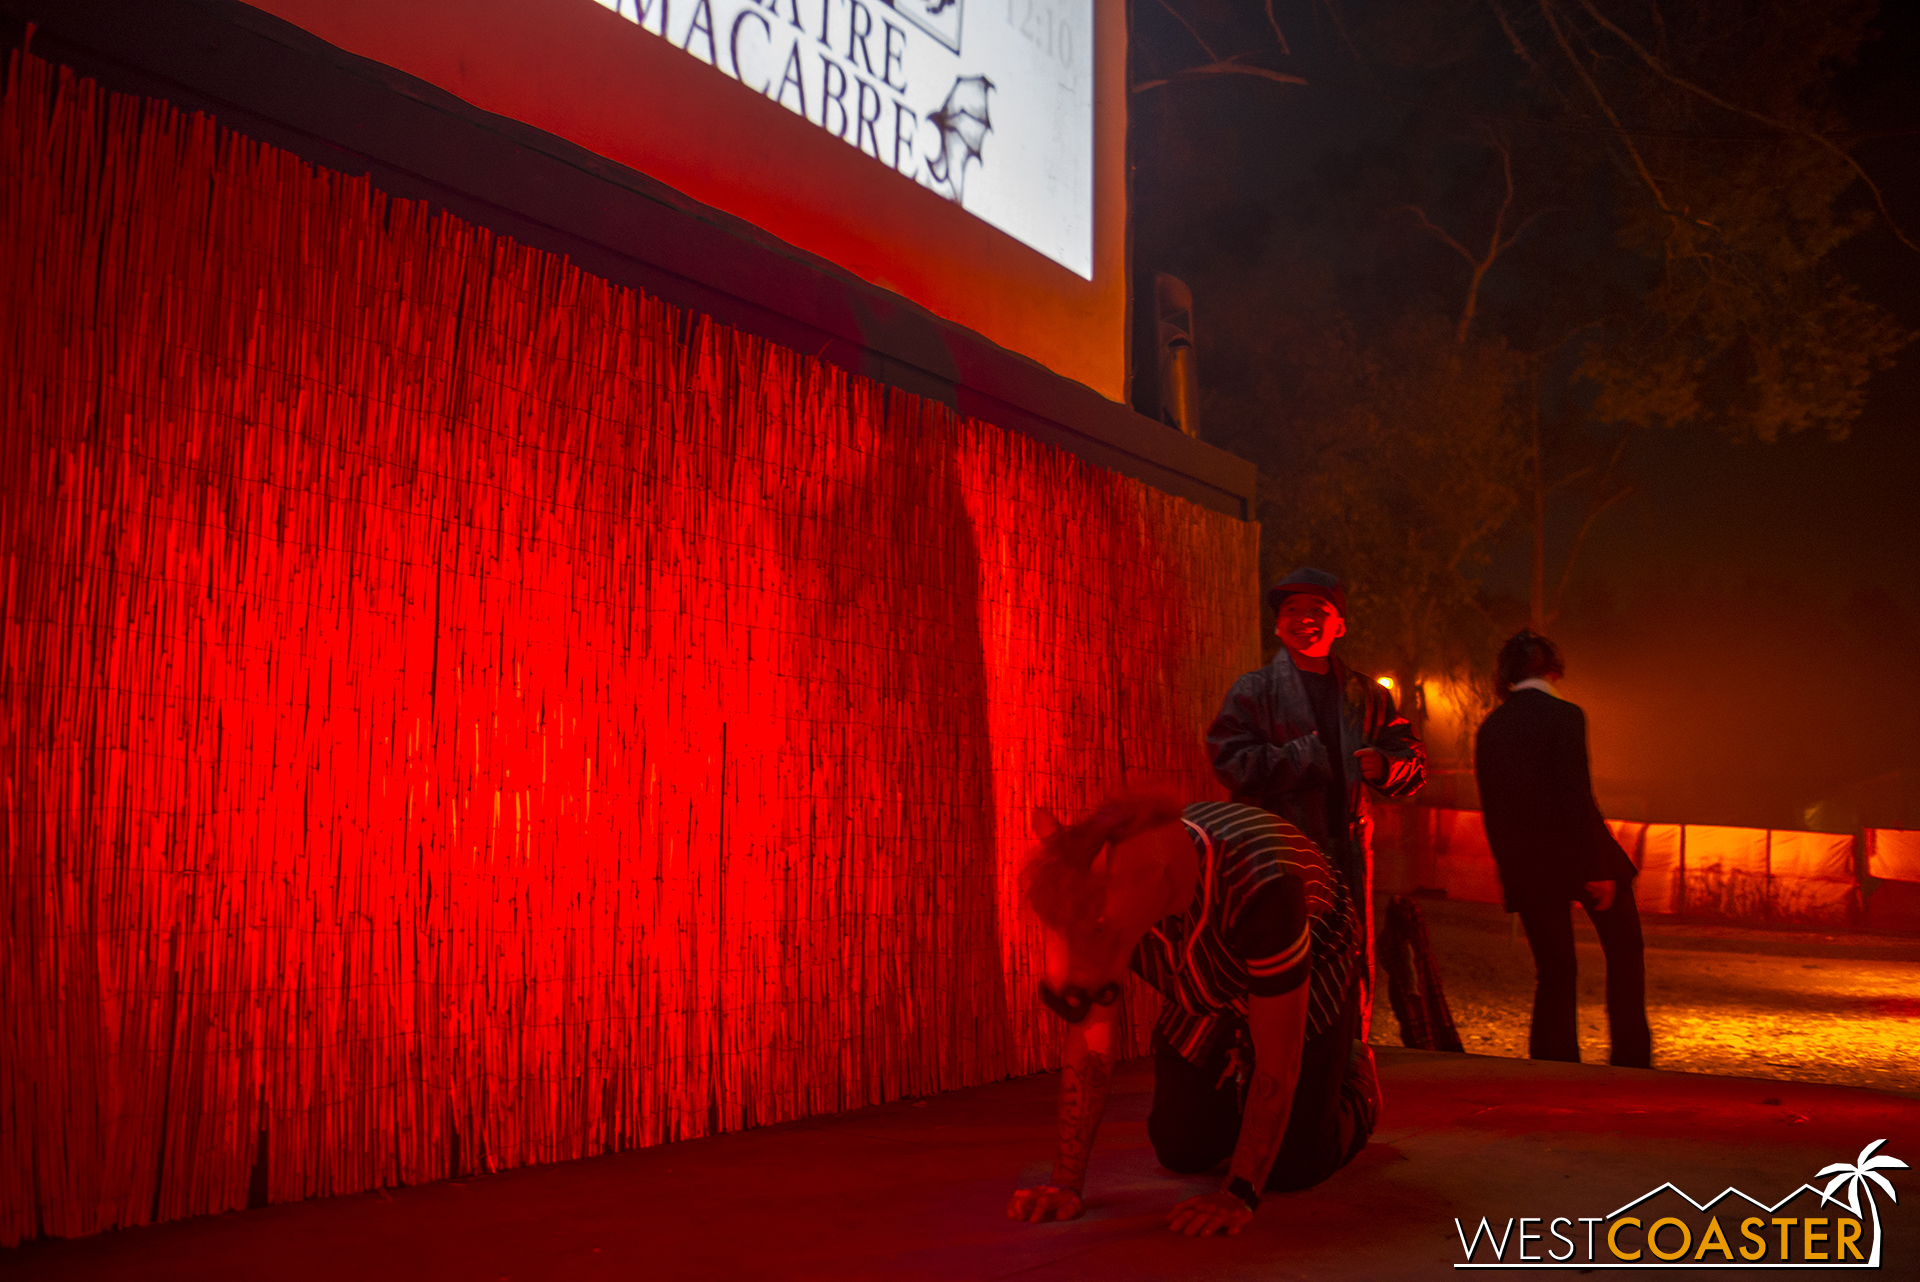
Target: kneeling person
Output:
[(1252, 942)]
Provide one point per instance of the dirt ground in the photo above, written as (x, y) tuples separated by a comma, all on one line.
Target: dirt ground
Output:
[(1797, 1006)]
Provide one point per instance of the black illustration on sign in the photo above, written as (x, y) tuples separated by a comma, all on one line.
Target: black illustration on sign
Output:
[(938, 18), (964, 124)]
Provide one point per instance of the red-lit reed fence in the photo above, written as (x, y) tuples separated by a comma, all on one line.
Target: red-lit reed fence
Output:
[(456, 713)]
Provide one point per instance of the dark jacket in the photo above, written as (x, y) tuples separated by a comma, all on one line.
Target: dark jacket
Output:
[(1536, 796), (1268, 753)]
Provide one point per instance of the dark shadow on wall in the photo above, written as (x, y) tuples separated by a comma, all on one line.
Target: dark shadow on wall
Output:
[(899, 638)]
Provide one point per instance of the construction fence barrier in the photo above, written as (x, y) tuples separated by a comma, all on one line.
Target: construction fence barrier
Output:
[(1764, 876)]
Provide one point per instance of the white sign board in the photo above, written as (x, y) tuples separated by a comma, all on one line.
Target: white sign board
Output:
[(987, 102)]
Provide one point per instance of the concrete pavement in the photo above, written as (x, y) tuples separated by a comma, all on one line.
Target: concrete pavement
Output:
[(1787, 1004), (909, 1191)]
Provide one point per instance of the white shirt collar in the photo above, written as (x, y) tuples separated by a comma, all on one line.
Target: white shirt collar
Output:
[(1536, 683)]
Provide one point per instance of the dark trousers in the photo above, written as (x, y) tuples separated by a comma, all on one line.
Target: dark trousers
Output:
[(1555, 1034), (1195, 1120)]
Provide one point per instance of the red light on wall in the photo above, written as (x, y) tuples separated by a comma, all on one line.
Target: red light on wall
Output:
[(461, 714)]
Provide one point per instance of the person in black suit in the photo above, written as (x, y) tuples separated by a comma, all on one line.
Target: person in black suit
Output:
[(1553, 848)]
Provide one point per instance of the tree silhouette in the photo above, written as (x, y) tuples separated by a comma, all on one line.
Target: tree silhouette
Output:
[(1855, 1176), (1630, 211)]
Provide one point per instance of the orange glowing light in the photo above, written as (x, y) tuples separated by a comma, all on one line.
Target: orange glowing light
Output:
[(1386, 681)]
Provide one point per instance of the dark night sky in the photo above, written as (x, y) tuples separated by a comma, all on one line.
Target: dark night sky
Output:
[(1744, 629)]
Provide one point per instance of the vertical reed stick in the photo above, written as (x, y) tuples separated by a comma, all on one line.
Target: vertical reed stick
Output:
[(458, 713)]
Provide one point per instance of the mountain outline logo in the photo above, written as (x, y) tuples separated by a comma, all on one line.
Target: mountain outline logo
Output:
[(1679, 1241)]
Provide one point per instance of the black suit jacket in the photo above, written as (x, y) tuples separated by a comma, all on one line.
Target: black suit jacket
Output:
[(1536, 796)]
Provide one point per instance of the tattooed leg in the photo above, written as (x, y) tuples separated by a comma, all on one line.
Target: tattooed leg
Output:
[(1083, 1098)]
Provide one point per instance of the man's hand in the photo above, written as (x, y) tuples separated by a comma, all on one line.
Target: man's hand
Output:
[(1046, 1203), (1209, 1213), (1373, 764), (1601, 892)]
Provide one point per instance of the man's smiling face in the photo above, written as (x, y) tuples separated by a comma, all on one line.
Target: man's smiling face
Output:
[(1308, 625)]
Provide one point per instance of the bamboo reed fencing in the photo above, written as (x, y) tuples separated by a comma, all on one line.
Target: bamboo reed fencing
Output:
[(459, 714)]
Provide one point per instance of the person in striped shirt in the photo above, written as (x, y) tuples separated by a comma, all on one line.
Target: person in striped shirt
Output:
[(1251, 940)]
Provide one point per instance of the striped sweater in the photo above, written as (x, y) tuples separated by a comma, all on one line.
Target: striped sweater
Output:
[(1268, 914)]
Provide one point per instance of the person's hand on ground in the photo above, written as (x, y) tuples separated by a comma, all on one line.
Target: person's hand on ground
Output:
[(1601, 893), (1373, 764), (1044, 1204), (1209, 1213)]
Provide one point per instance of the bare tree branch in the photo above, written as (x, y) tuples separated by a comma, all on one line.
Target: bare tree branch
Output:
[(1439, 234), (1513, 38), (1560, 37), (1540, 354), (1497, 241), (1340, 25), (1579, 474), (1660, 69), (1193, 31), (1224, 67), (1659, 22), (1278, 34), (1594, 509), (1494, 246), (1473, 538), (1573, 552)]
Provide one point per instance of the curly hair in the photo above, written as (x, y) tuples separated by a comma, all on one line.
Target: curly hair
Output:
[(1526, 654), (1058, 882)]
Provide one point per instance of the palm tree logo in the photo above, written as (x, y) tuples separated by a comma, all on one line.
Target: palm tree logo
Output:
[(1855, 1176)]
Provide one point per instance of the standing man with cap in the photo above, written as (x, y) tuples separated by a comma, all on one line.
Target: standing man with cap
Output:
[(1303, 736)]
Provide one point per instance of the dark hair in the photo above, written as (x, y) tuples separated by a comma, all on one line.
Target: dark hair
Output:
[(1526, 655), (1058, 882)]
